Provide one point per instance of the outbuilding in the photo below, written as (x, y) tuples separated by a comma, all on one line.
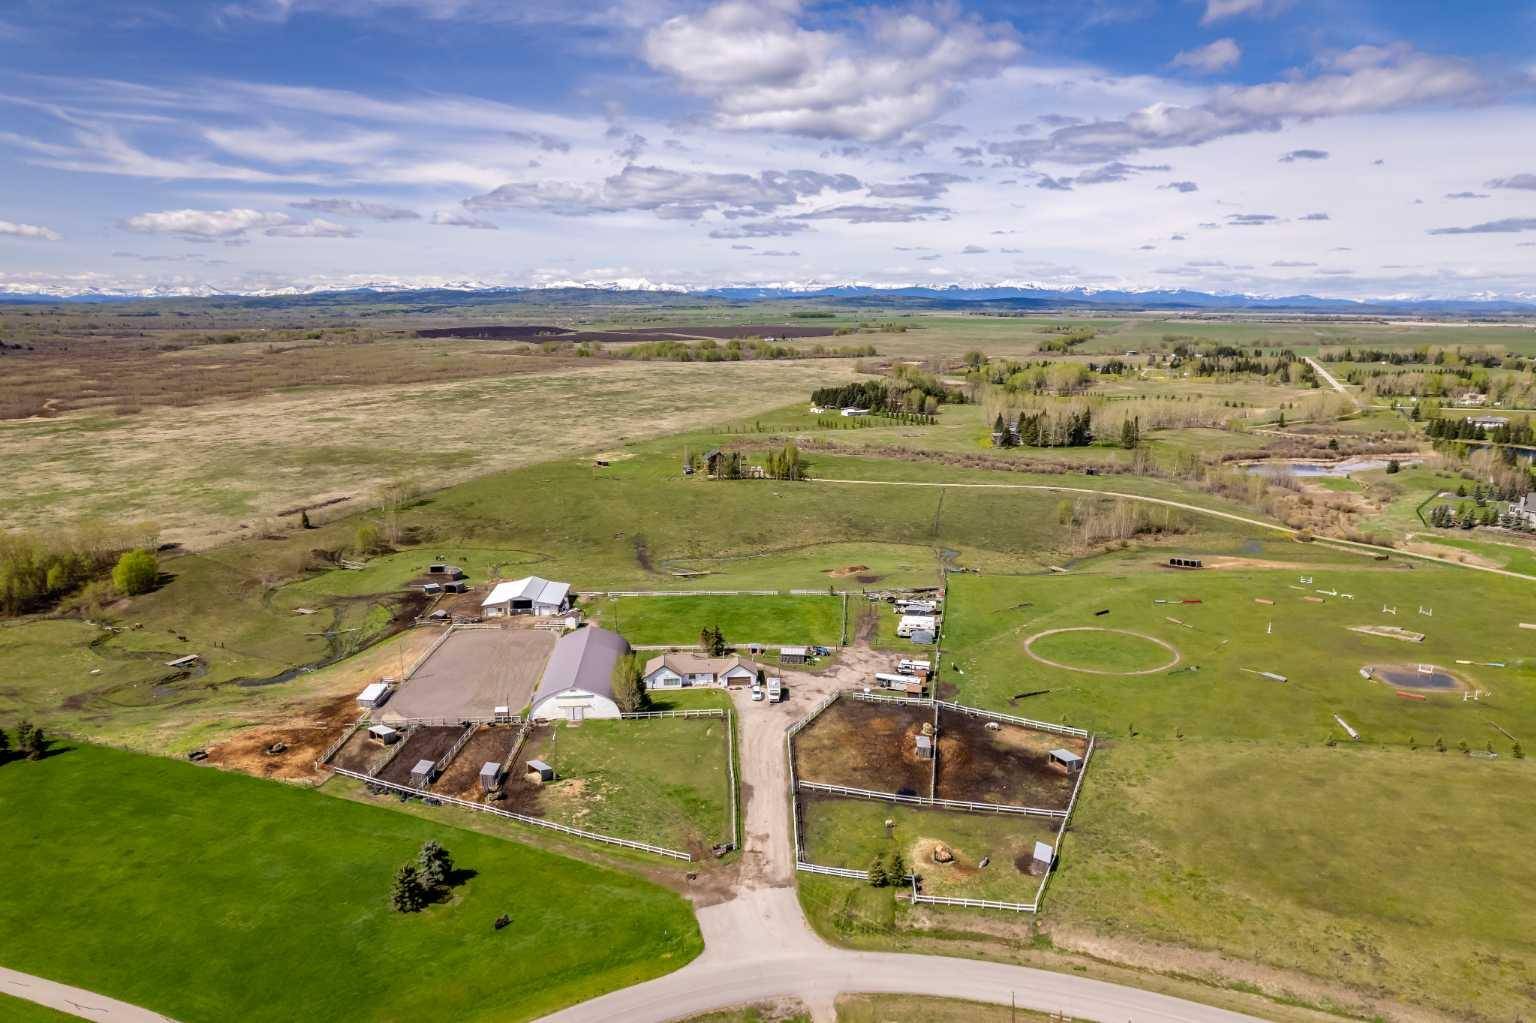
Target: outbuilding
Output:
[(423, 773), (794, 655), (373, 696), (543, 770), (529, 595), (578, 679), (924, 747), (683, 670), (1066, 759), (456, 586), (1042, 859), (490, 776), (383, 734), (916, 623)]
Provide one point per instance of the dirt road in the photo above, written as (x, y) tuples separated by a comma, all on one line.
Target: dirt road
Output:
[(1331, 380)]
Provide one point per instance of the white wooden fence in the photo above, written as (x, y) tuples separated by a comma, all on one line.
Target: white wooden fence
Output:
[(447, 758), (591, 836), (931, 801), (457, 719), (1060, 832), (330, 751), (976, 712), (730, 748), (705, 712)]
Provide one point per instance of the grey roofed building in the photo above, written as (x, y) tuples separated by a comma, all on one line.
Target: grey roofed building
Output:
[(578, 680)]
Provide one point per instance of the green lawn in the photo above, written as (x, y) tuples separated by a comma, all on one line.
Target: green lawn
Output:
[(744, 619), (179, 888), (1101, 650), (851, 833), (662, 781)]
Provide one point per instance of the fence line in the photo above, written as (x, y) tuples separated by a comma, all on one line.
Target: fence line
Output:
[(1062, 832), (816, 868), (430, 651), (975, 712), (933, 801), (730, 766), (330, 751), (447, 758), (445, 722), (591, 836), (524, 725), (708, 712), (944, 900), (394, 751)]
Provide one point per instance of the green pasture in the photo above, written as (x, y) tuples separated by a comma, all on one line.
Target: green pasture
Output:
[(19, 1010), (677, 621), (126, 871), (851, 833), (1108, 652), (1214, 692), (662, 780), (1397, 874)]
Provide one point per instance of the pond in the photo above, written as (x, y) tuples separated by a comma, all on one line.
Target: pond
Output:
[(1337, 470)]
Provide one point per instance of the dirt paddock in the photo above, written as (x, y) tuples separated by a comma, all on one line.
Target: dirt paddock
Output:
[(866, 746), (422, 744), (1008, 765), (472, 673), (305, 739), (361, 754), (462, 779)]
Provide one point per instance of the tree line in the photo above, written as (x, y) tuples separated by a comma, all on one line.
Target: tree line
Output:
[(37, 570)]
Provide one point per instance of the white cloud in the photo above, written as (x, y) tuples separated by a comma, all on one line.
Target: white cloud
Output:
[(32, 231), (764, 71), (1217, 10), (317, 228), (1210, 58), (460, 218), (357, 208), (207, 225)]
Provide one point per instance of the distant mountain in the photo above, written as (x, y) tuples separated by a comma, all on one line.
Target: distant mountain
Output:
[(1000, 298)]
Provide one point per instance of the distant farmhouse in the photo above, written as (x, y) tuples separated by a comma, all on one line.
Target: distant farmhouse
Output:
[(530, 595), (684, 670), (578, 680), (1488, 422)]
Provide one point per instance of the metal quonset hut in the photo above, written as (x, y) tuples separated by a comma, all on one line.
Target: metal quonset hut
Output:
[(578, 680)]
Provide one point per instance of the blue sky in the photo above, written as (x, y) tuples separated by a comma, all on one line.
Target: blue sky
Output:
[(1264, 146)]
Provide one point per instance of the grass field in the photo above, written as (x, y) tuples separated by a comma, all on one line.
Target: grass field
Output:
[(154, 863), (1398, 874), (663, 781), (19, 1010), (852, 832), (744, 619)]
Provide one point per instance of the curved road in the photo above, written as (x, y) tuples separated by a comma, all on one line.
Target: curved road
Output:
[(758, 946)]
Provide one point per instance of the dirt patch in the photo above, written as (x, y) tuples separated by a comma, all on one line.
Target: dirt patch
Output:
[(304, 739), (845, 571), (1451, 554), (492, 743), (1008, 765), (867, 746), (361, 753), (423, 744), (1225, 562)]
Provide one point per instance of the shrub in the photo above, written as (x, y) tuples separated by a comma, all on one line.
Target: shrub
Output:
[(135, 573)]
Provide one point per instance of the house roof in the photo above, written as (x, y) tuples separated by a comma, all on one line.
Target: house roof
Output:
[(584, 660), (689, 663), (531, 588)]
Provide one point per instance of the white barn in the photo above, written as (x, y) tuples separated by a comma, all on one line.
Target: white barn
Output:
[(578, 680), (529, 595), (684, 670)]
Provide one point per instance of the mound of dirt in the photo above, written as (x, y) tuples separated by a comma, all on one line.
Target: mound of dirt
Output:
[(845, 571)]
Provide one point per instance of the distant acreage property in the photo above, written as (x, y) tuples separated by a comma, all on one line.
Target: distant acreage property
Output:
[(677, 621), (310, 892), (472, 673)]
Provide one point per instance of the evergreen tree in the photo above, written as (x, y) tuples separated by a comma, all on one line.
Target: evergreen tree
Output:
[(896, 868), (36, 746), (5, 746), (436, 864), (878, 878), (408, 894)]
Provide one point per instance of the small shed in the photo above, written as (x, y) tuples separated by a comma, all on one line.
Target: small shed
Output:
[(456, 586), (1042, 859), (1067, 759), (543, 770), (183, 662), (923, 636), (423, 773), (503, 715), (451, 571), (431, 589), (383, 734), (373, 696), (925, 747), (794, 655), (490, 776)]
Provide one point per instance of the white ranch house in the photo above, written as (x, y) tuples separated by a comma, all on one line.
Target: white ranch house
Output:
[(527, 596), (684, 670)]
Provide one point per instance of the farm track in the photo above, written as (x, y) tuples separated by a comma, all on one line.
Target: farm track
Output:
[(1353, 545), (74, 1001)]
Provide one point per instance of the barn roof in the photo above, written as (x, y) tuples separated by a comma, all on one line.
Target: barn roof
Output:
[(583, 659), (531, 588)]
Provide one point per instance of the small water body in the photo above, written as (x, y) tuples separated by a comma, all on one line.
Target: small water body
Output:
[(1335, 470)]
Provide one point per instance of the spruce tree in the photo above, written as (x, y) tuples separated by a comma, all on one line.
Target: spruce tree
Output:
[(407, 894), (436, 864)]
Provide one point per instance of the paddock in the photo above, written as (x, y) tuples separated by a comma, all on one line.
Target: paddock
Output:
[(490, 743), (429, 743), (472, 673), (866, 745)]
